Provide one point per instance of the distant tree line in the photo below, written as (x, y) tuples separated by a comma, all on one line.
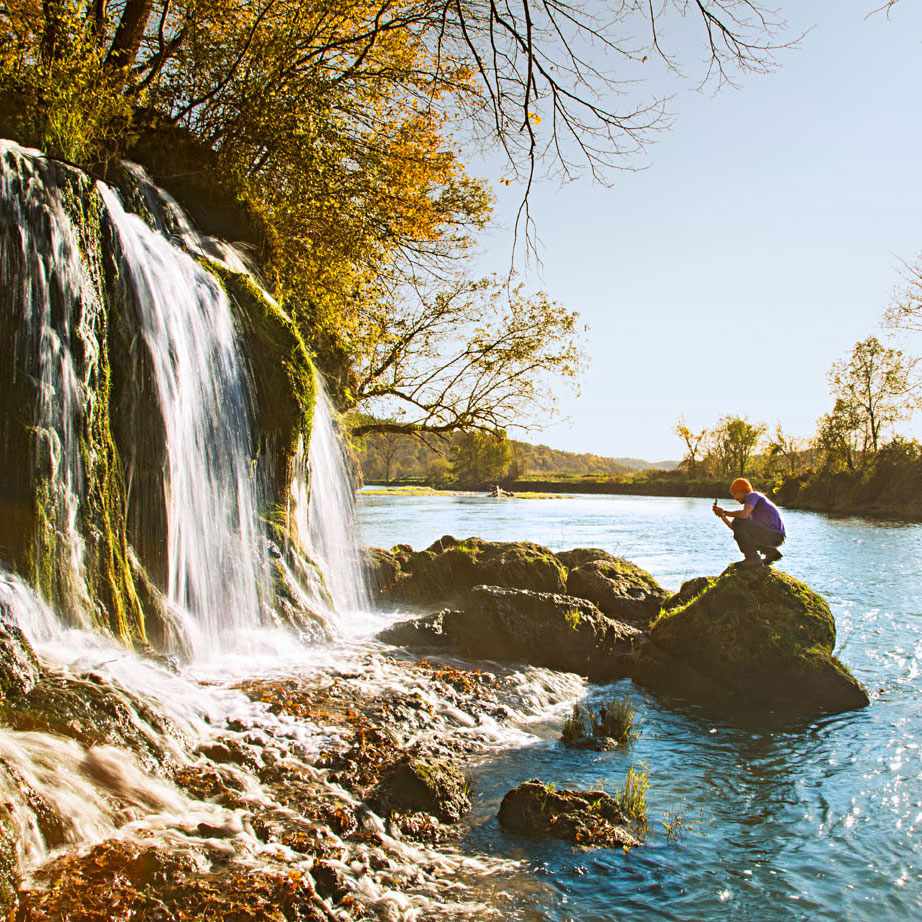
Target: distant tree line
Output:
[(475, 459), (855, 461)]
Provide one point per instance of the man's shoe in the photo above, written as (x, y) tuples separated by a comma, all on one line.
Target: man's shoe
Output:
[(771, 555)]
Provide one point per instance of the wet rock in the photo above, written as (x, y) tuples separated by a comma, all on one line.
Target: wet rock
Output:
[(329, 881), (19, 669), (94, 714), (151, 884), (436, 631), (618, 587), (429, 785), (8, 864), (448, 569), (753, 638), (588, 818), (540, 628)]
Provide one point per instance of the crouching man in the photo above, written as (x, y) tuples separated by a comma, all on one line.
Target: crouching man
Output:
[(757, 527)]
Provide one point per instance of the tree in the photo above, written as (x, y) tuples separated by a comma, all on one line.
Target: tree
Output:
[(841, 437), (905, 313), (735, 443), (785, 453), (694, 443), (475, 356), (480, 457), (875, 388)]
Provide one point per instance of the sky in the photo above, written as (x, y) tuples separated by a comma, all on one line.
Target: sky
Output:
[(762, 239)]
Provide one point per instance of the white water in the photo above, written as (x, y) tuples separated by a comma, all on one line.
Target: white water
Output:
[(324, 511), (104, 792), (218, 579), (218, 568), (50, 286)]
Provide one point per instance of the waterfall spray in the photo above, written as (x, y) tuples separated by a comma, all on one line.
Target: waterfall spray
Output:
[(324, 507)]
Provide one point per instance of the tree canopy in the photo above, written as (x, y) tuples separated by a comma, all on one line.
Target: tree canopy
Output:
[(340, 126)]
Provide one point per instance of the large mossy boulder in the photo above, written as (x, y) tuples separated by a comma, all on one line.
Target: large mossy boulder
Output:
[(751, 639), (586, 818), (517, 625), (448, 569), (444, 572), (618, 587)]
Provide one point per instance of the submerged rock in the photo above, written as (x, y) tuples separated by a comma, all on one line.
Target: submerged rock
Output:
[(754, 637), (540, 628), (588, 818)]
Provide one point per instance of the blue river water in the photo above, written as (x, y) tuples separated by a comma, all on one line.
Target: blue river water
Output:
[(811, 821)]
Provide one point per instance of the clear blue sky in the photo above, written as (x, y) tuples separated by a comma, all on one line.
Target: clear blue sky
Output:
[(761, 241)]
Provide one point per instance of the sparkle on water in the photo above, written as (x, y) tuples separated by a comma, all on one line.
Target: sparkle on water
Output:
[(811, 821)]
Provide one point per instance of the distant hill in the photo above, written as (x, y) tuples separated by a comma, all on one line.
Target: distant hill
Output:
[(393, 457), (638, 464)]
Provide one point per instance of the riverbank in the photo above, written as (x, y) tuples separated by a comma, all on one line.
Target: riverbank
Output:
[(840, 494)]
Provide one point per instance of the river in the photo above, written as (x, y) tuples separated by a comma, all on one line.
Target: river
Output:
[(822, 820)]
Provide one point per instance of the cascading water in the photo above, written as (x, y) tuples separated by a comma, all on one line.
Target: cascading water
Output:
[(324, 509), (50, 288), (218, 567), (98, 744)]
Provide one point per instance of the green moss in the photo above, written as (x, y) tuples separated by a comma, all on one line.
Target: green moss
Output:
[(758, 633), (109, 578), (283, 370)]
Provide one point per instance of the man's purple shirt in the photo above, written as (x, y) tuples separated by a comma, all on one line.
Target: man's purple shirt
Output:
[(763, 511)]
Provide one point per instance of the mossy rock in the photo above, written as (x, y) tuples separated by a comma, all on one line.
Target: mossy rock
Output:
[(619, 588), (448, 569), (753, 638), (85, 708), (432, 785), (20, 671), (586, 818), (580, 555), (282, 368), (518, 625)]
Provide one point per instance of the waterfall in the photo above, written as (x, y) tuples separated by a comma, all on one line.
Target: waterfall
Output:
[(51, 289), (89, 277), (218, 567), (324, 506)]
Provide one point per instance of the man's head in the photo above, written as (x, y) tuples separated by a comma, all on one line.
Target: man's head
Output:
[(739, 488)]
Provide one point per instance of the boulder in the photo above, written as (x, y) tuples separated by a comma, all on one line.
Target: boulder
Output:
[(432, 785), (755, 637), (587, 818), (618, 587), (540, 628), (448, 569), (580, 555)]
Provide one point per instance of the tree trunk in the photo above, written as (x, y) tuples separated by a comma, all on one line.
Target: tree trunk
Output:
[(129, 33)]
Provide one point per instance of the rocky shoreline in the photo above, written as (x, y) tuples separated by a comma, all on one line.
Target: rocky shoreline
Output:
[(340, 792), (752, 639), (337, 794)]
